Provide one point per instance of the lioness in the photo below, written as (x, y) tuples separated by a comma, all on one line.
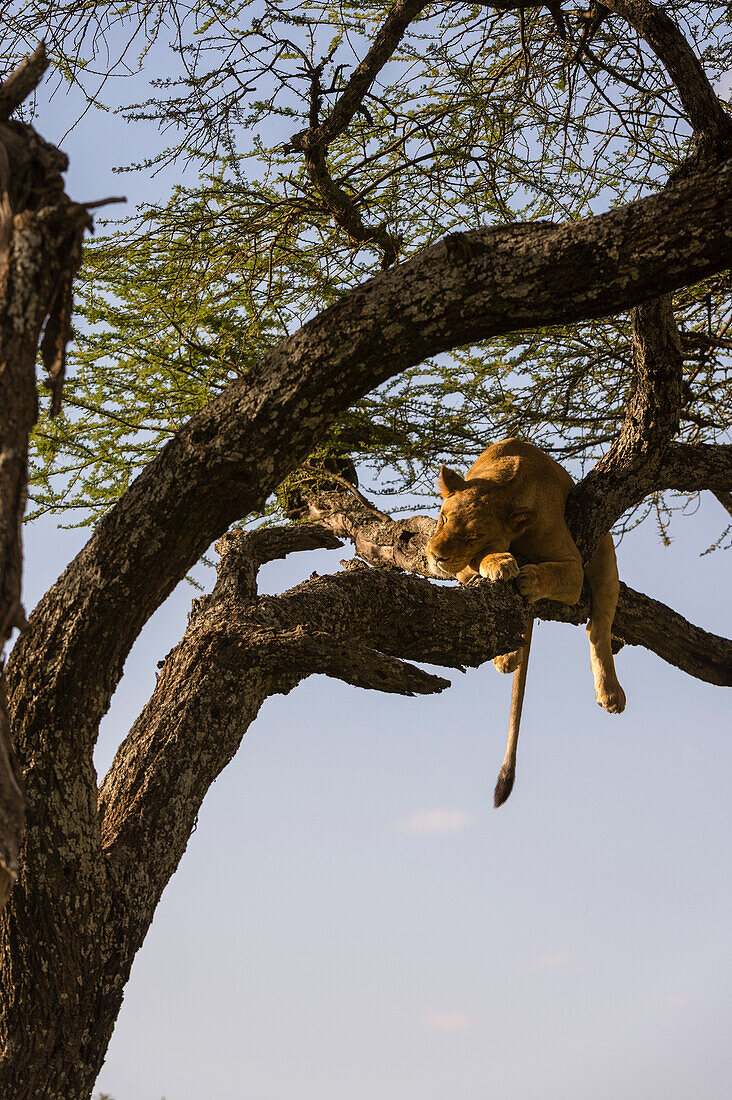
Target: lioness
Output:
[(512, 499)]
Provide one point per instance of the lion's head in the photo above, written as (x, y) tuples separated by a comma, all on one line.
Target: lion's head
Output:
[(478, 516)]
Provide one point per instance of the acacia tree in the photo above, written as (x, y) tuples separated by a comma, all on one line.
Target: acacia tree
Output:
[(410, 129)]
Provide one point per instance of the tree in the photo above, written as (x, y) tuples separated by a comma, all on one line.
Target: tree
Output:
[(378, 177)]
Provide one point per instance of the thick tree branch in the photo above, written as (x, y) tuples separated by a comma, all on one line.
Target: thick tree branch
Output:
[(315, 651), (274, 543), (377, 539), (629, 470), (242, 558), (643, 621), (302, 647), (693, 467), (640, 620)]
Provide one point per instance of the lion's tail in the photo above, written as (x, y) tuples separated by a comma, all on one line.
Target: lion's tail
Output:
[(507, 774)]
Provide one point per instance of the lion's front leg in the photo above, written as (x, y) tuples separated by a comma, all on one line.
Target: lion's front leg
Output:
[(551, 580), (498, 567)]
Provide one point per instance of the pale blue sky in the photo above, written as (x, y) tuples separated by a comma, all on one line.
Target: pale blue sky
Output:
[(319, 940), (352, 919)]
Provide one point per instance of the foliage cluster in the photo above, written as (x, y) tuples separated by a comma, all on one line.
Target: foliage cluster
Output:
[(482, 116)]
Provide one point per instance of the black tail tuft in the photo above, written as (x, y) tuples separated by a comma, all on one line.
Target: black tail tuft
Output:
[(504, 786)]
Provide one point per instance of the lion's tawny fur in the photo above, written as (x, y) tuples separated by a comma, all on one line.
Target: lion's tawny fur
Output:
[(511, 503)]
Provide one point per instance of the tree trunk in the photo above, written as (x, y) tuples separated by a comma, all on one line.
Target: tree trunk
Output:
[(40, 249)]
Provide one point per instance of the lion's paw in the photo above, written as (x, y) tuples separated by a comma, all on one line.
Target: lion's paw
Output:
[(508, 662), (499, 567), (528, 582), (611, 699)]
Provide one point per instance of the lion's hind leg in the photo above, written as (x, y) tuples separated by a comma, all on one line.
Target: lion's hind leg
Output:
[(602, 577)]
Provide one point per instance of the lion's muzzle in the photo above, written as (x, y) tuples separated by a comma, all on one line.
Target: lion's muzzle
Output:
[(443, 565)]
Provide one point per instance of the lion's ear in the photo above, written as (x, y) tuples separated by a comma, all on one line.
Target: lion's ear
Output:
[(521, 521), (449, 482)]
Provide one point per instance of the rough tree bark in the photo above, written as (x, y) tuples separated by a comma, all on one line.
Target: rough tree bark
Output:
[(94, 863), (40, 250), (629, 471)]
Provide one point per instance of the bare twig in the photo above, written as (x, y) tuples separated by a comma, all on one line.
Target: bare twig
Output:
[(103, 202)]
